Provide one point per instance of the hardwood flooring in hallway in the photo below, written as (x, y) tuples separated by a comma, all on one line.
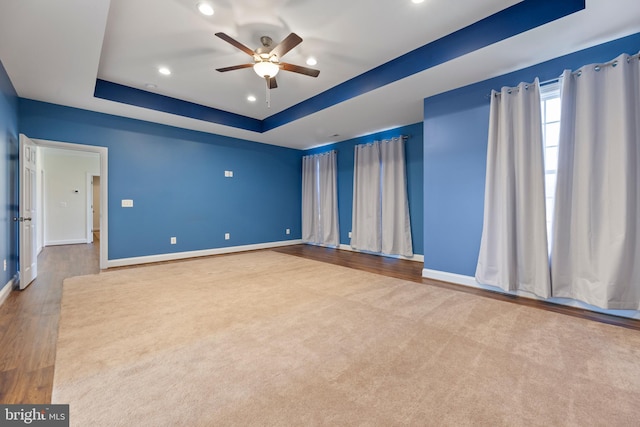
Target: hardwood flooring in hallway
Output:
[(29, 324)]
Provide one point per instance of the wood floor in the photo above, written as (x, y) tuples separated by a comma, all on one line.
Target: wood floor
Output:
[(29, 324), (29, 319)]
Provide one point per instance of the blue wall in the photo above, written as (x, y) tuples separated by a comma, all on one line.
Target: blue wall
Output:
[(456, 126), (414, 157), (9, 172), (176, 179)]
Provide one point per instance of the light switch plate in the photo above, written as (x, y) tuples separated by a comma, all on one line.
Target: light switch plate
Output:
[(127, 203), (227, 236)]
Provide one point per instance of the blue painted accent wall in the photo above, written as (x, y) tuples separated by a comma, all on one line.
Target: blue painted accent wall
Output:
[(456, 127), (176, 180), (414, 158), (9, 148)]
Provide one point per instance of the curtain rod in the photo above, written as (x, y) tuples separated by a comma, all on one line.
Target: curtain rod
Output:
[(578, 72), (404, 138)]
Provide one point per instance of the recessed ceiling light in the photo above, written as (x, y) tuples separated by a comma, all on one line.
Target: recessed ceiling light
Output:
[(150, 86), (251, 98), (311, 61), (164, 71), (205, 8)]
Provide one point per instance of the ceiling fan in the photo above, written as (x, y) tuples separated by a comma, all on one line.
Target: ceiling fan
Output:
[(266, 58)]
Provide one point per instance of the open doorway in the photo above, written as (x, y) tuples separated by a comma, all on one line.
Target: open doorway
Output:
[(98, 198)]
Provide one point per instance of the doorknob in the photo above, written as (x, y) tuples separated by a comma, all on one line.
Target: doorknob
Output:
[(21, 219), (27, 219)]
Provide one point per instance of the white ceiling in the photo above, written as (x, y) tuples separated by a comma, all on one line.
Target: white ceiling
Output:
[(53, 51)]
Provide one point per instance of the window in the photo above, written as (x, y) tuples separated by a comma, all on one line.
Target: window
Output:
[(550, 104)]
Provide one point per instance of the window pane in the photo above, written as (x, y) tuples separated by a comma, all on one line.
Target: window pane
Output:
[(549, 210), (551, 158), (550, 186), (552, 110), (551, 134)]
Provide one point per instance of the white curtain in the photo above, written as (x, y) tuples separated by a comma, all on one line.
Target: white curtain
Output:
[(380, 220), (366, 217), (396, 225), (320, 199), (513, 249), (596, 238), (309, 199)]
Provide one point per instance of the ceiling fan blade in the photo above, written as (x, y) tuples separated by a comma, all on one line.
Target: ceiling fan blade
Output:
[(234, 67), (236, 43), (271, 82), (291, 41), (299, 69)]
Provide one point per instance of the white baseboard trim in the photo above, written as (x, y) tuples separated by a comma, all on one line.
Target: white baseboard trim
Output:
[(460, 279), (415, 257), (6, 290), (122, 262), (65, 242), (457, 279)]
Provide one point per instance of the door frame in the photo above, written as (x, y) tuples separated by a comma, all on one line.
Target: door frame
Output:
[(90, 204), (104, 186)]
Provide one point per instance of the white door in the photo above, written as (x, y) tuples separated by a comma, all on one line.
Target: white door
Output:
[(28, 214)]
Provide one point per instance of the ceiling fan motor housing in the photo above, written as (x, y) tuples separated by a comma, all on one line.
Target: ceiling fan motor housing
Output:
[(266, 58), (262, 53)]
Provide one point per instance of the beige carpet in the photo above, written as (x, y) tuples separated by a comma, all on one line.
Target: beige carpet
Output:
[(276, 340)]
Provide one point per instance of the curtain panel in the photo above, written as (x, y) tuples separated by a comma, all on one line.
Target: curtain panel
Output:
[(596, 238), (366, 233), (309, 199), (320, 199), (380, 220), (513, 249)]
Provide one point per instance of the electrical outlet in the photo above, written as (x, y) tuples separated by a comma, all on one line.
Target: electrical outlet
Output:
[(227, 236), (349, 234), (174, 240), (288, 231)]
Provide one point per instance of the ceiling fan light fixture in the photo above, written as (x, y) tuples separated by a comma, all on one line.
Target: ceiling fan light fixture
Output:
[(205, 8), (266, 69), (311, 61)]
